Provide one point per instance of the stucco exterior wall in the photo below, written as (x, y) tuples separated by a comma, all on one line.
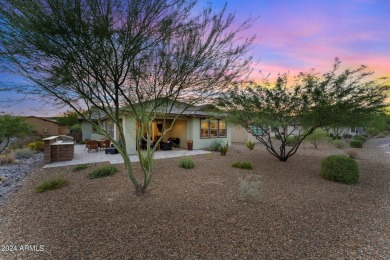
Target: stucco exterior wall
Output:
[(86, 129), (179, 130), (42, 126), (193, 131), (240, 135)]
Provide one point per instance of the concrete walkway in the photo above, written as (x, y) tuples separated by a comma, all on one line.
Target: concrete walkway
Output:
[(81, 156)]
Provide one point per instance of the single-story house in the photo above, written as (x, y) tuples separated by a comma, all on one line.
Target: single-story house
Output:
[(196, 124), (45, 127), (240, 135)]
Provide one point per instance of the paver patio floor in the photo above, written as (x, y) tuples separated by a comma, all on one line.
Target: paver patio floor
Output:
[(82, 156)]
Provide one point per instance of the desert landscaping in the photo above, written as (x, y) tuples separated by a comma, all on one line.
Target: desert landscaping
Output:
[(201, 213)]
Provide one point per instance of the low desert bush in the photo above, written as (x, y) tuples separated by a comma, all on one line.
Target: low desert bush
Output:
[(242, 165), (24, 153), (224, 149), (52, 184), (103, 171), (215, 145), (250, 145), (360, 138), (249, 187), (7, 159), (80, 167), (351, 153), (354, 143), (36, 146), (317, 137), (186, 163), (381, 135), (340, 168), (291, 140), (339, 144)]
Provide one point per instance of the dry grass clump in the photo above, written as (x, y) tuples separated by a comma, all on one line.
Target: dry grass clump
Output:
[(352, 153), (250, 187), (381, 135), (24, 153), (7, 159)]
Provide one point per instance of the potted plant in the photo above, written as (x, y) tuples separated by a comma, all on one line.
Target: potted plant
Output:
[(189, 144)]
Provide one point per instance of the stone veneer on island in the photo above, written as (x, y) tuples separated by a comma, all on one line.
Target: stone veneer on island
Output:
[(56, 150)]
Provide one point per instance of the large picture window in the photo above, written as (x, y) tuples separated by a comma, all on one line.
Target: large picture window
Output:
[(212, 128)]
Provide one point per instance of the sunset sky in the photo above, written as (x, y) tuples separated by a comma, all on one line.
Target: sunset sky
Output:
[(293, 36)]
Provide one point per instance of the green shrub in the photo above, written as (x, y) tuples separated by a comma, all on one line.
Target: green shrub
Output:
[(336, 137), (360, 138), (340, 168), (103, 171), (24, 153), (76, 128), (80, 167), (242, 165), (7, 158), (317, 137), (215, 145), (250, 145), (36, 146), (186, 163), (52, 184), (339, 144), (224, 149), (250, 187), (355, 143), (291, 140)]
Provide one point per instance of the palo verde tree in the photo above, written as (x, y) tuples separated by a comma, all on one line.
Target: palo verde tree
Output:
[(123, 58), (347, 98)]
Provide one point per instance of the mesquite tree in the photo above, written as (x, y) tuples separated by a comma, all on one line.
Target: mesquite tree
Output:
[(274, 115), (135, 58)]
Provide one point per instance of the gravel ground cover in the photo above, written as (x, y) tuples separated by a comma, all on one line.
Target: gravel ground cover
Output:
[(198, 213), (12, 176)]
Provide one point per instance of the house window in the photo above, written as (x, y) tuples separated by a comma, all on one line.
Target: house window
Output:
[(257, 130), (222, 129), (353, 129), (110, 128), (204, 129), (212, 128)]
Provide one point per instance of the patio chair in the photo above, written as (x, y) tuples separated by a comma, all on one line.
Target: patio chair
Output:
[(86, 143), (105, 144), (93, 145)]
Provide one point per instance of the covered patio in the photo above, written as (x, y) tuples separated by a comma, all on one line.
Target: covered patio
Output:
[(81, 156)]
